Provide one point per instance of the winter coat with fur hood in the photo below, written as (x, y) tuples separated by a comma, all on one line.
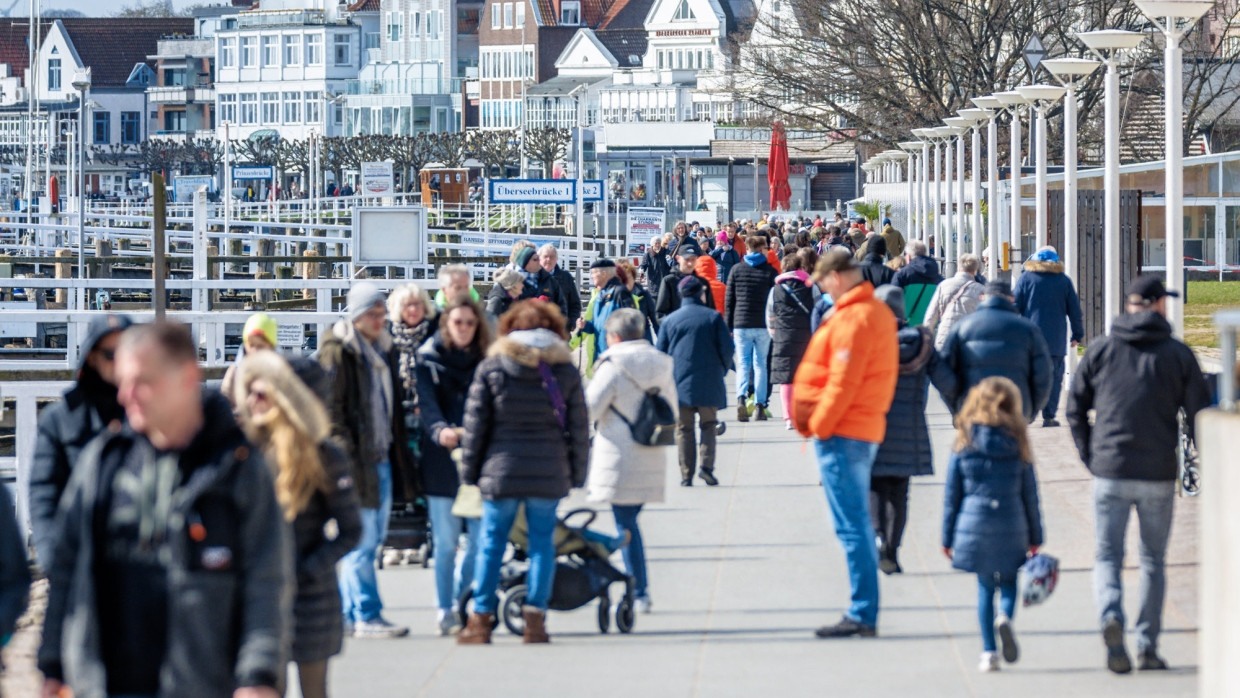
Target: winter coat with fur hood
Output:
[(1046, 296), (621, 471), (515, 446)]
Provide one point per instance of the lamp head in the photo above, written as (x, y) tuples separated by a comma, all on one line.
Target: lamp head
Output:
[(975, 115), (1041, 96), (910, 146), (1188, 10), (948, 131), (959, 122), (987, 102), (1011, 98), (81, 80), (897, 155), (1104, 40), (1068, 70), (925, 133)]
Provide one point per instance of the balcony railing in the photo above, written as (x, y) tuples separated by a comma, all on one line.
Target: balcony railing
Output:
[(178, 94), (409, 86)]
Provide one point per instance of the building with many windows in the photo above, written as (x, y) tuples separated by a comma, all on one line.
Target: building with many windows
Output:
[(183, 93)]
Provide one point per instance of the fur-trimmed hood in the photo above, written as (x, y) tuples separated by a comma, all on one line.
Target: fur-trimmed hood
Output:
[(1044, 267), (528, 347)]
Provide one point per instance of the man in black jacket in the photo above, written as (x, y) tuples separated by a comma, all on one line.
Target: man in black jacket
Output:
[(173, 568), (1137, 379), (654, 265), (569, 294), (744, 309), (669, 295), (67, 426)]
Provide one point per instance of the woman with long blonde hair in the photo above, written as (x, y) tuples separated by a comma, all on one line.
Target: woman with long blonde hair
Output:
[(991, 515), (283, 418)]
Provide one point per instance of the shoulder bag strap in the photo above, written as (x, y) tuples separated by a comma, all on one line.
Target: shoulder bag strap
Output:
[(552, 386)]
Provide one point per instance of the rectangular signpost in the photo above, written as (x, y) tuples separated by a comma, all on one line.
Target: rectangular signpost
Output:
[(377, 179), (644, 223)]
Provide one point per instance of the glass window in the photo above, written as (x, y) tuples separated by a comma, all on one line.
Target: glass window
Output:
[(292, 49), (228, 108), (372, 40), (174, 122), (103, 127), (570, 12), (342, 52), (394, 22), (271, 52), (53, 74), (314, 49), (495, 15), (228, 53), (248, 51), (249, 108), (271, 107), (520, 14), (507, 15), (131, 126), (292, 107), (683, 11), (434, 22), (173, 77), (313, 104), (415, 24)]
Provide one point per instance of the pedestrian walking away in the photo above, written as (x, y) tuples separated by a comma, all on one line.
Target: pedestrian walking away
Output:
[(749, 284), (789, 312), (446, 366), (697, 339), (991, 516), (954, 299), (905, 450), (1136, 380), (918, 278), (840, 397), (14, 569), (623, 473), (288, 424), (874, 263), (1046, 296), (192, 593)]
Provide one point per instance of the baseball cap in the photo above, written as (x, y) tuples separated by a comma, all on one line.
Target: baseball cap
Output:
[(1145, 290)]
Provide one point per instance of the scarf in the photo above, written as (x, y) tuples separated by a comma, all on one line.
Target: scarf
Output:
[(408, 339)]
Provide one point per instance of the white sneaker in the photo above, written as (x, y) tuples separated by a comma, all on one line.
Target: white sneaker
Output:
[(642, 604), (379, 628), (448, 623), (788, 424), (989, 662)]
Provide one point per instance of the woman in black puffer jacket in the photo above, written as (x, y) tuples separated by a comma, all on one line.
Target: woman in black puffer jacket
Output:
[(789, 311), (527, 441), (905, 450)]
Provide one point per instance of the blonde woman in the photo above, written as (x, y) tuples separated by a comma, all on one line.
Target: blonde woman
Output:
[(289, 424)]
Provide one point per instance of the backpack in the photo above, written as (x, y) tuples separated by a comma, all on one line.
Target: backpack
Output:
[(655, 423)]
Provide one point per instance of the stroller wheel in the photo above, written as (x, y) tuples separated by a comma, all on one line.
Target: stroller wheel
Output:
[(464, 606), (424, 554), (720, 427), (604, 614), (510, 609), (625, 617)]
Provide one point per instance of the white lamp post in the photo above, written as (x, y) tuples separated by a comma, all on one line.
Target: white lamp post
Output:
[(1174, 20), (1070, 72), (962, 127), (81, 83), (993, 106), (1013, 101), (945, 245), (932, 170), (967, 124), (976, 117), (1042, 97), (1107, 44), (912, 148)]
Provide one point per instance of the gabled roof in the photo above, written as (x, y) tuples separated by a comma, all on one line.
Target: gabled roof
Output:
[(626, 45), (594, 13), (626, 15), (364, 6), (112, 46)]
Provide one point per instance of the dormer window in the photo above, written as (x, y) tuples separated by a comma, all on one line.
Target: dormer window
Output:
[(682, 11), (570, 12)]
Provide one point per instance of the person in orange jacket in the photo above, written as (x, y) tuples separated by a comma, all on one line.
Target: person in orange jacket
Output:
[(841, 393), (706, 268)]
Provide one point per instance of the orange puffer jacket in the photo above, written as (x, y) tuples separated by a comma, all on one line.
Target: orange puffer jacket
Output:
[(847, 378), (707, 269)]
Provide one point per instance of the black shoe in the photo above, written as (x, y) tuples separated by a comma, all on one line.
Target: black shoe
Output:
[(1117, 657), (686, 482), (1007, 639), (1052, 422), (888, 566), (1150, 661), (742, 412), (761, 413), (708, 477), (847, 627)]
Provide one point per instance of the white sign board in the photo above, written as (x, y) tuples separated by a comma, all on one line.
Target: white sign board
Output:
[(291, 336), (644, 223), (377, 179), (533, 191), (18, 329), (707, 219), (592, 190), (389, 235), (263, 172), (183, 188)]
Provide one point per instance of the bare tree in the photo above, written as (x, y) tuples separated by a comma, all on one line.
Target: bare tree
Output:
[(496, 150), (547, 146), (450, 149)]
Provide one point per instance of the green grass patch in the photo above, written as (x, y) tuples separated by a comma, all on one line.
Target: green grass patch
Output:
[(1204, 299)]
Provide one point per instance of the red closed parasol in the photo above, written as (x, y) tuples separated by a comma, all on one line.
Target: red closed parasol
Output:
[(777, 169), (53, 192)]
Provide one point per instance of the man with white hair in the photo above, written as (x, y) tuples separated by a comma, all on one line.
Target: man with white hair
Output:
[(454, 279), (565, 284), (953, 299), (918, 278), (654, 265)]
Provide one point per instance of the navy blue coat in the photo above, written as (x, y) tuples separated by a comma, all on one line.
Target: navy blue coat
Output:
[(698, 340), (995, 341), (725, 260), (444, 376), (990, 507), (1045, 295), (905, 450)]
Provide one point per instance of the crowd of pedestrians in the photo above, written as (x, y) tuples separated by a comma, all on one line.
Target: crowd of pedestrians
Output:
[(190, 527)]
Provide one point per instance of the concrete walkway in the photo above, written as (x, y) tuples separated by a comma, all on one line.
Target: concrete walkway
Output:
[(742, 573)]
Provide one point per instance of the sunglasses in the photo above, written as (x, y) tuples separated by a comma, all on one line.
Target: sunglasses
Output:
[(465, 323)]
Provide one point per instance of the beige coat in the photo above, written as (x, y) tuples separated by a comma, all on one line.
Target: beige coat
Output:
[(621, 471), (951, 302)]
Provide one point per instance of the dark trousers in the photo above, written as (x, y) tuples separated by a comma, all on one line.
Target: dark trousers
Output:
[(686, 440), (1052, 402), (889, 510)]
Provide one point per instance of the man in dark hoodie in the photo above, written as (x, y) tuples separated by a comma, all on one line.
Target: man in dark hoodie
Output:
[(918, 278), (669, 296), (1137, 379), (67, 426), (744, 305), (1045, 295), (173, 571)]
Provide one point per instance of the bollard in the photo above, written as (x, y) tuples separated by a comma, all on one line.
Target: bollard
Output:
[(266, 248), (284, 272), (310, 270), (263, 296), (1219, 549), (103, 248), (64, 270), (236, 247)]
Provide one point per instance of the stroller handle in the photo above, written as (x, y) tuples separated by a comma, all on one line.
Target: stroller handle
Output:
[(584, 511)]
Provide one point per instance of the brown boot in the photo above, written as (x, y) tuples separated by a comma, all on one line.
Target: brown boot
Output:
[(535, 628), (477, 630)]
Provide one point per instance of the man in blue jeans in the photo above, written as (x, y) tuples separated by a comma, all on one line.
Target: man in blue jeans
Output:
[(744, 309), (1045, 295), (1137, 380)]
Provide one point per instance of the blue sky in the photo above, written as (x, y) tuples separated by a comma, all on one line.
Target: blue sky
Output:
[(94, 8)]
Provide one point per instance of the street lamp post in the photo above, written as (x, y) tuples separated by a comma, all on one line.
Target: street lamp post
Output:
[(976, 117), (1070, 72), (945, 245), (929, 195), (898, 158), (81, 83), (1174, 20), (1013, 101), (912, 148), (993, 106), (968, 126), (1108, 44), (1041, 97)]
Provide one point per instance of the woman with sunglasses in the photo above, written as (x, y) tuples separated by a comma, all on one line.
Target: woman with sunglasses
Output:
[(283, 418), (445, 368)]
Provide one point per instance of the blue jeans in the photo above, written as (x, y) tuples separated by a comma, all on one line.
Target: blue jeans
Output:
[(497, 519), (359, 588), (986, 587), (753, 344), (452, 574), (1052, 402), (634, 553), (1155, 504), (845, 466)]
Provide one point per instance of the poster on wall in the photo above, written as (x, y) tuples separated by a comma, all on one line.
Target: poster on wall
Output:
[(644, 223), (377, 179)]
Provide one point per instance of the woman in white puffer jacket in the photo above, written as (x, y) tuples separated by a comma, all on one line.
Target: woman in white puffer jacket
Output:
[(622, 473)]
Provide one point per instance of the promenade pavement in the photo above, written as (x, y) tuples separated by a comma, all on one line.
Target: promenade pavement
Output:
[(742, 573)]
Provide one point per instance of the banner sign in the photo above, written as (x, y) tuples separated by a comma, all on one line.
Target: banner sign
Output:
[(258, 172), (533, 191), (183, 188), (377, 179), (644, 223), (592, 190)]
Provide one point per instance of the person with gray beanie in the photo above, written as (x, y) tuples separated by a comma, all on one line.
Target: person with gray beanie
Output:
[(368, 424)]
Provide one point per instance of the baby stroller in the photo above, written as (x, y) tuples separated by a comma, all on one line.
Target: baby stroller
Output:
[(408, 537), (582, 574)]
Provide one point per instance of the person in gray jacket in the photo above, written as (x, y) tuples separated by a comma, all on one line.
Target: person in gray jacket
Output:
[(172, 572)]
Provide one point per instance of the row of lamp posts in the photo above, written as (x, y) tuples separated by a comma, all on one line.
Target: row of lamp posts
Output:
[(927, 156)]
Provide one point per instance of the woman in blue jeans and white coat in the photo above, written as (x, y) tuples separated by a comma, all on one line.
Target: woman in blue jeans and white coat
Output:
[(991, 517), (445, 367), (622, 472), (527, 441)]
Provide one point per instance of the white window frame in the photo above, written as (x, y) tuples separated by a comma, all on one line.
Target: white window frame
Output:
[(292, 50), (292, 107), (269, 51), (346, 44), (520, 14), (570, 13), (249, 51), (314, 49), (228, 52), (269, 108), (508, 20), (249, 108), (496, 15)]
